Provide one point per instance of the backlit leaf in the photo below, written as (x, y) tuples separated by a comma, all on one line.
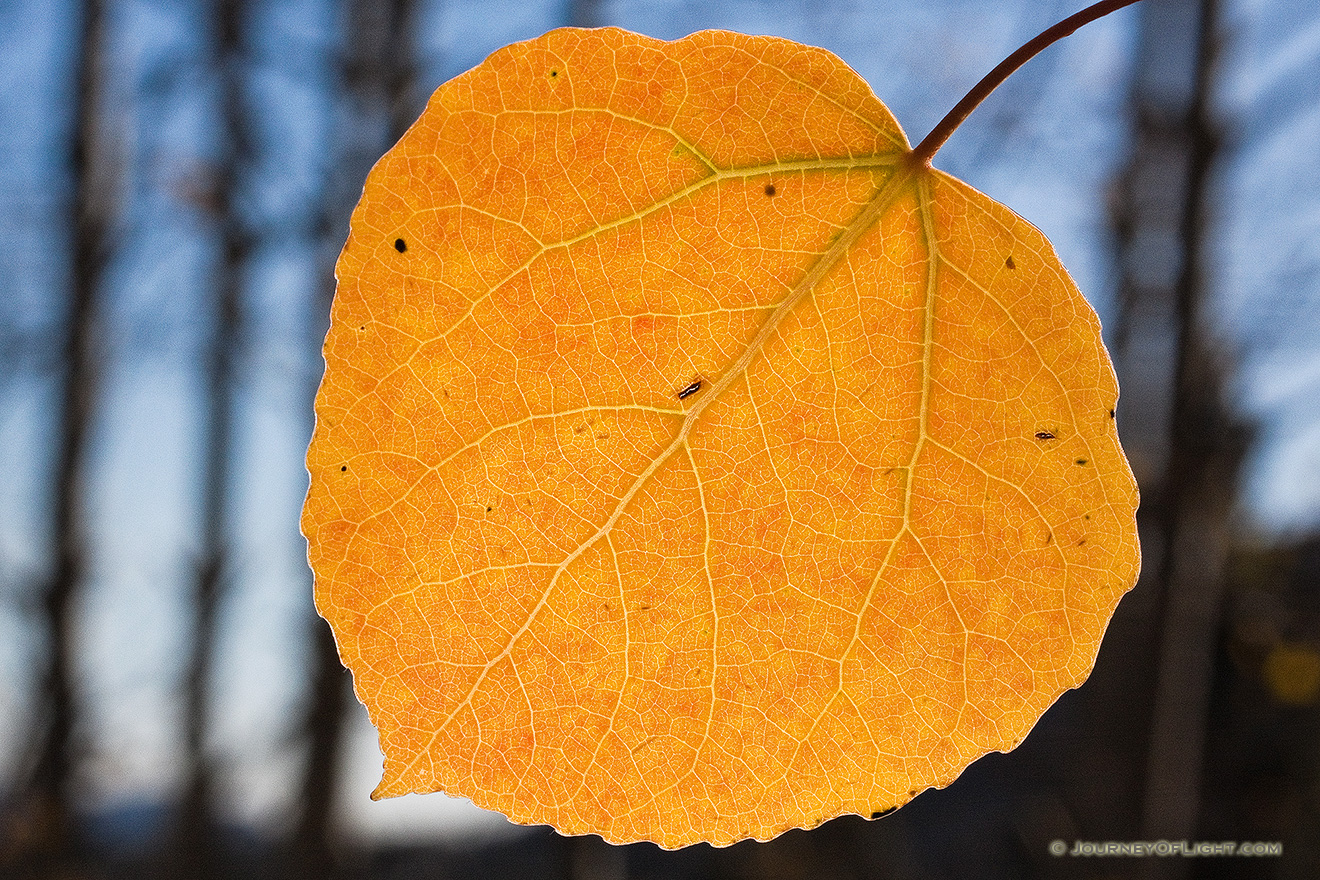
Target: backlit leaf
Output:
[(691, 466)]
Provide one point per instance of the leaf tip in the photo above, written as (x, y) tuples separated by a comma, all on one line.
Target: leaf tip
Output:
[(391, 785)]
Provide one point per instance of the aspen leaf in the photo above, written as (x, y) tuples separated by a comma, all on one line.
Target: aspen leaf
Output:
[(689, 465)]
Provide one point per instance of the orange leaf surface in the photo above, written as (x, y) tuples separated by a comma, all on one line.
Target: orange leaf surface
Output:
[(691, 466)]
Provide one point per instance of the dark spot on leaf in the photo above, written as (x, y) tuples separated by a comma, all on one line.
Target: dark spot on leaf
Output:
[(1044, 435), (690, 390), (554, 73), (363, 327), (1049, 537), (1081, 461), (1086, 516), (1081, 541), (343, 467), (400, 245), (912, 792), (1111, 413), (1009, 262), (488, 508), (769, 189)]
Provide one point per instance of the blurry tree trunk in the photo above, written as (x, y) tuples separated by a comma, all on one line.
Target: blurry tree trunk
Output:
[(380, 104), (199, 856), (1184, 445), (48, 839)]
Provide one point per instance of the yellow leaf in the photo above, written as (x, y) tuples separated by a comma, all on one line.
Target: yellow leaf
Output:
[(690, 464)]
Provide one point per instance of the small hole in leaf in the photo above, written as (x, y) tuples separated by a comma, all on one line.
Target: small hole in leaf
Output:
[(1009, 262), (488, 508), (769, 189), (343, 467), (400, 245), (554, 73), (1044, 435), (1111, 413)]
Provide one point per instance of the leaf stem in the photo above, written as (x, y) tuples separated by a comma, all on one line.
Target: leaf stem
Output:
[(925, 150)]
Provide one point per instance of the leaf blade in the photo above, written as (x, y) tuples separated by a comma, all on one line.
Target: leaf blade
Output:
[(576, 596)]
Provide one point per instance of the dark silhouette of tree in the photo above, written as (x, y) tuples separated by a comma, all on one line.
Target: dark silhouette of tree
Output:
[(49, 843), (199, 855), (1185, 445)]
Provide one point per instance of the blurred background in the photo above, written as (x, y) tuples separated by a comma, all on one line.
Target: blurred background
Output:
[(175, 182)]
